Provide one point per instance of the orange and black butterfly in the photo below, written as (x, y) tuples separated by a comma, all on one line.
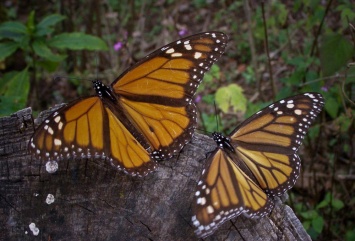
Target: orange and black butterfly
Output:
[(255, 162), (146, 114)]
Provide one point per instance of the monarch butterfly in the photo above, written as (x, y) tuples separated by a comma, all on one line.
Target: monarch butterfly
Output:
[(257, 161), (146, 114)]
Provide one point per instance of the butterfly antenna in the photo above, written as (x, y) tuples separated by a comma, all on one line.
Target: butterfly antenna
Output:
[(204, 127), (216, 116), (97, 67)]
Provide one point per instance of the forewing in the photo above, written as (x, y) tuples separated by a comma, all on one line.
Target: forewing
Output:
[(267, 142), (85, 128), (156, 93)]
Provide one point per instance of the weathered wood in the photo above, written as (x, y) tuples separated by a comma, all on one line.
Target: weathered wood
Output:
[(95, 202)]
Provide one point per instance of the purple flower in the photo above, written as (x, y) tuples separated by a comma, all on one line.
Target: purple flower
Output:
[(198, 98), (324, 88), (117, 46), (182, 32)]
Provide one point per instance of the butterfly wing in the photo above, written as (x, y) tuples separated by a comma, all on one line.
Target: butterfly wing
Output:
[(156, 93), (225, 191), (146, 114), (258, 160), (88, 128), (267, 142)]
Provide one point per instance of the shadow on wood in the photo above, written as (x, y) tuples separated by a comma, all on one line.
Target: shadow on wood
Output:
[(95, 202)]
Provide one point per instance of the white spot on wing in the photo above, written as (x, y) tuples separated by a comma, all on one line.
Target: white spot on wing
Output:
[(210, 209), (57, 119), (170, 51), (197, 55), (176, 55), (57, 142), (298, 112), (188, 47)]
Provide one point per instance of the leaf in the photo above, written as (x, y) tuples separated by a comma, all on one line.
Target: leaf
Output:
[(209, 99), (306, 224), (252, 108), (231, 97), (337, 204), (322, 204), (311, 214), (42, 50), (332, 107), (48, 65), (14, 91), (45, 26), (335, 52), (350, 75), (31, 25), (209, 79), (350, 235), (325, 202), (77, 41), (213, 73), (5, 79), (209, 122), (318, 224), (13, 30), (7, 49), (346, 13), (18, 84)]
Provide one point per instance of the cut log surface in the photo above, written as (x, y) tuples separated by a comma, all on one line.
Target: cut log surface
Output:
[(93, 201)]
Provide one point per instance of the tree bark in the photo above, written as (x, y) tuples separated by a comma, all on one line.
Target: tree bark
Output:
[(95, 202)]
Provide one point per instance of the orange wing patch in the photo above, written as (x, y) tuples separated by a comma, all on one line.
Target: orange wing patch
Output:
[(124, 147), (226, 192), (156, 77), (84, 123), (271, 169), (160, 124)]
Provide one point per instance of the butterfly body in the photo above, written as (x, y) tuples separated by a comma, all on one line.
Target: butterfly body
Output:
[(146, 114), (103, 91), (223, 142), (256, 162)]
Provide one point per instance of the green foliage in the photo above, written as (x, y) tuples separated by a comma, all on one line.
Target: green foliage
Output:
[(231, 98), (210, 78), (33, 39), (330, 201), (332, 107), (7, 49), (344, 122), (37, 43), (249, 75), (46, 26), (313, 220), (77, 41), (346, 13), (14, 87), (350, 235), (335, 52), (252, 108), (209, 121), (300, 64)]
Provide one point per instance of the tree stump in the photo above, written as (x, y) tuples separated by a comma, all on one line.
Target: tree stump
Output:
[(93, 201)]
